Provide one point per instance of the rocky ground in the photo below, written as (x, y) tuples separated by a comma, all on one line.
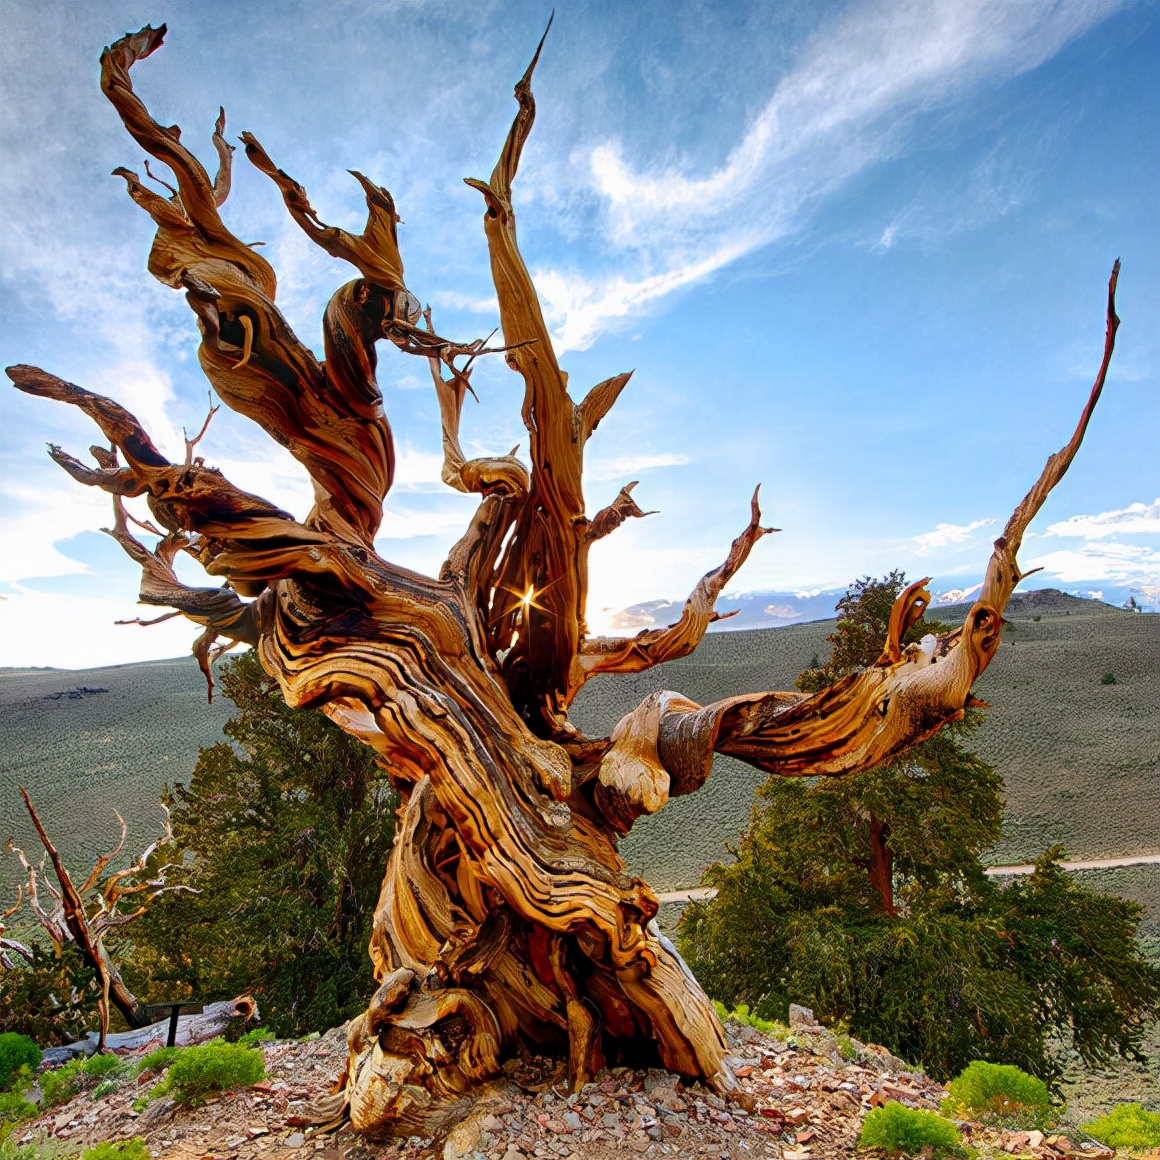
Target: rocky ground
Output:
[(799, 1099)]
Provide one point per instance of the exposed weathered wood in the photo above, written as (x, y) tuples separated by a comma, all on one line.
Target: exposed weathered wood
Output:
[(84, 914), (507, 921), (211, 1021)]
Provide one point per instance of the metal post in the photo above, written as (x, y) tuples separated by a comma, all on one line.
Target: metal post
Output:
[(171, 1040)]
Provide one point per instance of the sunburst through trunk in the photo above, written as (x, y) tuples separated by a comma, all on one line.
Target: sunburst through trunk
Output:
[(508, 925)]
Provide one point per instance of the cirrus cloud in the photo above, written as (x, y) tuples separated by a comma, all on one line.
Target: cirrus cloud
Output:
[(1133, 520)]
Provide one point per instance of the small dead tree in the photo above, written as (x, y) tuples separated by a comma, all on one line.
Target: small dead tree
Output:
[(508, 924), (10, 947), (84, 915)]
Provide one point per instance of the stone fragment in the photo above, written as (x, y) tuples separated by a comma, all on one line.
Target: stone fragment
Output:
[(801, 1017), (294, 1140), (845, 1102)]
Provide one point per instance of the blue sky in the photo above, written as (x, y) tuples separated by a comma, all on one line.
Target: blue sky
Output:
[(855, 252)]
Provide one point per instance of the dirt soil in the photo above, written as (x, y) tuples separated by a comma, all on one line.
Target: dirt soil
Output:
[(798, 1099)]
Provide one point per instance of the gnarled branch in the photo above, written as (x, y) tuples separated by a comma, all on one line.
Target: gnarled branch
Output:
[(656, 645), (666, 746)]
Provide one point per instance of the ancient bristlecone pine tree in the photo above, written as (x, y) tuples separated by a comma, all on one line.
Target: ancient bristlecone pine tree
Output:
[(507, 925)]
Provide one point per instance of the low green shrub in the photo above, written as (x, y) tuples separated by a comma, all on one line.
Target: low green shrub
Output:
[(17, 1053), (158, 1060), (62, 1083), (258, 1035), (134, 1149), (1127, 1126), (1108, 679), (213, 1067), (78, 1075), (14, 1109), (903, 1131), (1000, 1094)]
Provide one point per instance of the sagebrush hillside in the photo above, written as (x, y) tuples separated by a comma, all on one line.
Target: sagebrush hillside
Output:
[(87, 742), (1080, 757)]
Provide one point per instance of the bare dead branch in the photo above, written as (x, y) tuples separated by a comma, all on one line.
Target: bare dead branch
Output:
[(190, 444), (608, 519), (655, 646)]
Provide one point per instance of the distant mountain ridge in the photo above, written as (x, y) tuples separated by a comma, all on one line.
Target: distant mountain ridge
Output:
[(775, 608)]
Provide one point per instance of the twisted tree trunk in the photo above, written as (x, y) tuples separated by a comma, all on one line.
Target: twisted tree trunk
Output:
[(507, 923)]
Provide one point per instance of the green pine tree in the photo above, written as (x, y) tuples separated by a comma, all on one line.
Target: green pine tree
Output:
[(866, 899), (288, 831)]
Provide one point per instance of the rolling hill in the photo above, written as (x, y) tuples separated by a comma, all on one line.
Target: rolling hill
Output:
[(1080, 757)]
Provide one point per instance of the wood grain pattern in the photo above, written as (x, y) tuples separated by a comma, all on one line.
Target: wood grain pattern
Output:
[(507, 923)]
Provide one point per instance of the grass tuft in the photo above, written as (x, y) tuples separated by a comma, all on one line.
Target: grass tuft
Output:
[(157, 1060), (903, 1131), (97, 1071), (742, 1014), (258, 1035), (134, 1149), (1127, 1126), (1000, 1094), (14, 1109)]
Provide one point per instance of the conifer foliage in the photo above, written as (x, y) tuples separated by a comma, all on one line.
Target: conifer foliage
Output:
[(865, 898), (288, 831)]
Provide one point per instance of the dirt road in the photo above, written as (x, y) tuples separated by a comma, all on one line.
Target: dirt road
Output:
[(699, 893)]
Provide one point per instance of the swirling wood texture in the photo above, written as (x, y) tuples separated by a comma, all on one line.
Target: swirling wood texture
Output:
[(507, 921)]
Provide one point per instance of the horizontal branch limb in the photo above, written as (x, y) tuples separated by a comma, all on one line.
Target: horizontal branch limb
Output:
[(665, 746)]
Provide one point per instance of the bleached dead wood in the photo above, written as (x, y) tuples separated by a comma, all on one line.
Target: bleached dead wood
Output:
[(83, 915), (213, 1020)]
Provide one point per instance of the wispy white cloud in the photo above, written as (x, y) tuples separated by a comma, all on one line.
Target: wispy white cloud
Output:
[(1101, 561), (599, 470), (454, 300), (945, 534), (580, 307), (846, 105), (408, 523), (1133, 520)]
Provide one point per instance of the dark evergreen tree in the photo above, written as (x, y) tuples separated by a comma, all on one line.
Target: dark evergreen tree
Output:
[(288, 831), (866, 898)]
